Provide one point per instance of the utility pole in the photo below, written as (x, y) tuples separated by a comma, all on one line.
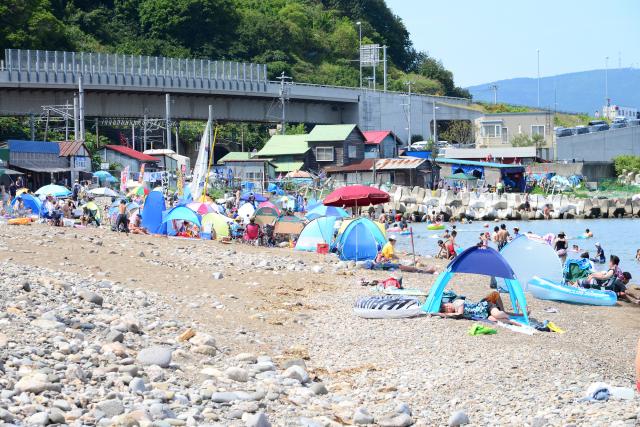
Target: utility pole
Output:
[(284, 97), (167, 118), (133, 136), (144, 131), (606, 82), (81, 107), (359, 24), (435, 124), (494, 88), (409, 133), (32, 126), (75, 119), (538, 51), (384, 65), (66, 120), (177, 138)]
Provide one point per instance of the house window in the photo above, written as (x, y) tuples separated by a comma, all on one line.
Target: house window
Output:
[(253, 176), (505, 136), (352, 152), (490, 130), (324, 154), (537, 130)]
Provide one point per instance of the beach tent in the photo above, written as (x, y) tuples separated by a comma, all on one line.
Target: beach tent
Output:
[(361, 240), (258, 197), (483, 261), (320, 230), (346, 222), (531, 256), (288, 225), (323, 210), (179, 213), (215, 223), (269, 204), (266, 215), (30, 202), (93, 208), (246, 211), (152, 212)]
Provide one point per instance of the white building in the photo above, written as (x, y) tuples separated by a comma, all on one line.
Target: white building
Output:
[(612, 111)]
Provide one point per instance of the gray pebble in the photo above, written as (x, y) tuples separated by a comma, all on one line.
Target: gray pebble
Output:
[(156, 355)]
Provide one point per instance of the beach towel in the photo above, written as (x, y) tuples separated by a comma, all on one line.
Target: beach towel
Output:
[(477, 329)]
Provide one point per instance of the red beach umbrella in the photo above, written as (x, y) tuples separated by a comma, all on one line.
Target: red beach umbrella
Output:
[(356, 195)]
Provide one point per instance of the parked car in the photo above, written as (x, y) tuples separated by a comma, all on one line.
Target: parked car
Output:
[(598, 127), (634, 122), (418, 146), (597, 122), (563, 132), (618, 125), (579, 130)]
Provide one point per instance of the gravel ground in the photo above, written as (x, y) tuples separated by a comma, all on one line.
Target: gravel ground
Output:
[(106, 329)]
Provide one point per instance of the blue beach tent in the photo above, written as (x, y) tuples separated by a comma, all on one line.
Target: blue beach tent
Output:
[(179, 213), (361, 240), (484, 261), (320, 230), (30, 202), (152, 212)]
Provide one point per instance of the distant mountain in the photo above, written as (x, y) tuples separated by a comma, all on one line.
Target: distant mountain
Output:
[(582, 92)]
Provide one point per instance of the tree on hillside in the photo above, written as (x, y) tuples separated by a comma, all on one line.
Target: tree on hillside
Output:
[(459, 131), (521, 140), (29, 24)]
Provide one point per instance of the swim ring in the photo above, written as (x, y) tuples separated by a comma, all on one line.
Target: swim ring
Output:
[(387, 307), (549, 290), (435, 226)]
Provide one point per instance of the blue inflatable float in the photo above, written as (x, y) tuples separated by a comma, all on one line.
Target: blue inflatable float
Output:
[(548, 290)]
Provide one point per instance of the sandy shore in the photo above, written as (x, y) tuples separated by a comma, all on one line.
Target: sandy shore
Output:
[(289, 305)]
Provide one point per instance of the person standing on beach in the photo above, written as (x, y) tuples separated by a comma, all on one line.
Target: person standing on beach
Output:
[(122, 217)]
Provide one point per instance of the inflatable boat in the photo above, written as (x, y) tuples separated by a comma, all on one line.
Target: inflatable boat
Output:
[(387, 307), (548, 290), (19, 221), (435, 226)]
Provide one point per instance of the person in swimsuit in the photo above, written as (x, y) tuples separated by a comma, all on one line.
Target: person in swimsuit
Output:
[(561, 245), (599, 258), (451, 245), (490, 307), (587, 234)]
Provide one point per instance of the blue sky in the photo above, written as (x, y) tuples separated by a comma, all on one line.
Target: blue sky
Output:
[(483, 41)]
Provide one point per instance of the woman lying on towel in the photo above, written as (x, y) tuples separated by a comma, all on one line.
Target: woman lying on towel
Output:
[(490, 307)]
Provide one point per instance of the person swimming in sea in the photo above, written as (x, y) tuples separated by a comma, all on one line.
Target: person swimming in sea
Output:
[(587, 234)]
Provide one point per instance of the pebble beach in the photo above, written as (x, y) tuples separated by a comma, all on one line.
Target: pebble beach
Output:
[(99, 328)]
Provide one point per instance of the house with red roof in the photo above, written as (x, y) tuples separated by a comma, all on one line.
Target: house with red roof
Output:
[(381, 144), (125, 156)]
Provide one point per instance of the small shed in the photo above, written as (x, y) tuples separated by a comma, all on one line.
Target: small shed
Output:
[(40, 161), (289, 153), (79, 159), (381, 144), (126, 156), (337, 145)]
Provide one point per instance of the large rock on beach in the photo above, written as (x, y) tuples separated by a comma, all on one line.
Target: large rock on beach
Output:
[(155, 355)]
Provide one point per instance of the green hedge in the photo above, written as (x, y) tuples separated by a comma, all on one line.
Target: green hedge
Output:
[(628, 163)]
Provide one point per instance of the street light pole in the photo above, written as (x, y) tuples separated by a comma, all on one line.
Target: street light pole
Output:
[(606, 82), (435, 124), (538, 52), (409, 113), (359, 24)]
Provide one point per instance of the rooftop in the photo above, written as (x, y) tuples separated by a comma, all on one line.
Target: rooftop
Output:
[(282, 145), (130, 152), (381, 164), (235, 156), (20, 146), (474, 163), (288, 166), (377, 136), (70, 148), (321, 133)]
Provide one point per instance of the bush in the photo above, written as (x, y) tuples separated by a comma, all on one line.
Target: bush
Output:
[(628, 163)]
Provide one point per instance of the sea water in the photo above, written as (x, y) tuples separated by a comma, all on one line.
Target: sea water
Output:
[(619, 237)]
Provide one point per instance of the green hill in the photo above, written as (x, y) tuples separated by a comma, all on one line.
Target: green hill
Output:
[(314, 41)]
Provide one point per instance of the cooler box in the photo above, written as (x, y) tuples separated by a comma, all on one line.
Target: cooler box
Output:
[(322, 248)]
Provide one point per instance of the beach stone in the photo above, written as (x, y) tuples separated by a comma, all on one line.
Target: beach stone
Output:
[(203, 339), (4, 340), (539, 422), (403, 408), (91, 297), (297, 373), (111, 407), (155, 355), (237, 374), (319, 389), (257, 420), (63, 405), (246, 357), (224, 397), (187, 335), (137, 385), (114, 336), (25, 286), (6, 416), (38, 419), (47, 324), (400, 420), (35, 382), (362, 416), (217, 275), (56, 416), (317, 269), (458, 418)]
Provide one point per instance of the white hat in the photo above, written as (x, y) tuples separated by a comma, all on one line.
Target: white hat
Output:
[(598, 244), (393, 237)]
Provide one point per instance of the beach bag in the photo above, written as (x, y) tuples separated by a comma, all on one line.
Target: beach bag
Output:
[(391, 283)]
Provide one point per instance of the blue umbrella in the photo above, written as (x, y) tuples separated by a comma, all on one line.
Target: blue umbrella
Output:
[(102, 174), (323, 210), (259, 198), (53, 190)]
